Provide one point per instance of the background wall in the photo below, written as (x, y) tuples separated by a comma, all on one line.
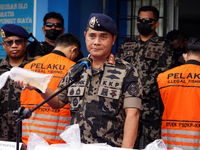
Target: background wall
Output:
[(189, 22), (74, 12), (45, 6), (79, 12)]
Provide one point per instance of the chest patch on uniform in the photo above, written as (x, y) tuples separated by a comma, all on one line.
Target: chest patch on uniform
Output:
[(133, 89), (75, 102), (71, 92), (78, 88), (154, 50), (129, 46), (111, 82)]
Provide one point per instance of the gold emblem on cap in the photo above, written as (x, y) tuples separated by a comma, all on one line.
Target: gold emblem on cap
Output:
[(3, 33), (92, 22)]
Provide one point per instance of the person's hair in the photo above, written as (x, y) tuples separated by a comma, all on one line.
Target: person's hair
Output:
[(53, 15), (150, 8), (193, 45), (68, 39), (175, 35)]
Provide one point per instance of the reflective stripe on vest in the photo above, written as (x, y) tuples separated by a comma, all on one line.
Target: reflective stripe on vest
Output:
[(186, 139), (53, 125)]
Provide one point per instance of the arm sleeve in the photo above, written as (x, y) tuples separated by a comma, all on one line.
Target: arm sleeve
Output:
[(132, 90), (160, 104)]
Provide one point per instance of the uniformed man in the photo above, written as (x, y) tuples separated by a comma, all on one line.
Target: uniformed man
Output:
[(178, 40), (106, 101), (150, 55), (14, 43)]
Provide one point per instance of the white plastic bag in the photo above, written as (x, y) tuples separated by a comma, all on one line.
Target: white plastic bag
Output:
[(71, 136), (34, 140), (35, 79), (156, 145)]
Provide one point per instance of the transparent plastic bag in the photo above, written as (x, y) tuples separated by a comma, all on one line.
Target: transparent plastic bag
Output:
[(156, 145), (35, 79), (71, 136), (34, 140)]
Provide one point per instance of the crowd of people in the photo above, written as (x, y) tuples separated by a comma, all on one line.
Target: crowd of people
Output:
[(150, 87)]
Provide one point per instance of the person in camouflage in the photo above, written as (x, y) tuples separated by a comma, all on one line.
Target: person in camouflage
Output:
[(106, 101), (150, 55), (14, 43)]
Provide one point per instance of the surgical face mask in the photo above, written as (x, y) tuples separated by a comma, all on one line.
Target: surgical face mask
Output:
[(52, 34), (144, 28)]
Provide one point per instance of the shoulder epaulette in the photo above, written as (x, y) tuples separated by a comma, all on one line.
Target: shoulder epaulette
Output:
[(111, 59)]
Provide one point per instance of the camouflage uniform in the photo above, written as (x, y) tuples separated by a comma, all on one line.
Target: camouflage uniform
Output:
[(149, 58), (98, 100), (9, 99)]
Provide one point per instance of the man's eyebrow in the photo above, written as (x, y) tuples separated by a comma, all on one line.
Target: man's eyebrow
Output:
[(104, 34)]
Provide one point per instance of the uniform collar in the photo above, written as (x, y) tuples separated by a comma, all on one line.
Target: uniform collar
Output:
[(58, 53), (154, 37), (194, 62), (5, 61), (106, 63)]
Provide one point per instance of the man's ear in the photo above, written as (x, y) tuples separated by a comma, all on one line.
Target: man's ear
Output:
[(63, 30), (43, 30), (2, 44), (185, 56), (73, 50), (114, 38), (157, 24)]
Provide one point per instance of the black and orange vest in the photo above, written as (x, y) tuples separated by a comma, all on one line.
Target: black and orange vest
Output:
[(180, 93), (46, 122)]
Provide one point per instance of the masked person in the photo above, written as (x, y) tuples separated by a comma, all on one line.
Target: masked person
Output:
[(150, 55), (178, 39), (52, 28)]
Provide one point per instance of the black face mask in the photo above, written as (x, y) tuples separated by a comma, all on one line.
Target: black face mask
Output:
[(52, 34), (144, 28), (178, 52)]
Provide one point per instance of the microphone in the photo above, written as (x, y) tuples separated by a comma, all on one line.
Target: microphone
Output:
[(79, 69)]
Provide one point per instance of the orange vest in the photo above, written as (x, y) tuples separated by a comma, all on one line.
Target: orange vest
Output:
[(45, 121), (180, 93)]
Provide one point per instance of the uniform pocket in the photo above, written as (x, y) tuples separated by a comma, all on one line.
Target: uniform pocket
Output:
[(154, 50)]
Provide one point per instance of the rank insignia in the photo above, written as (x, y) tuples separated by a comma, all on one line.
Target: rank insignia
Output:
[(112, 77), (133, 89), (114, 71), (149, 54), (92, 22), (111, 59), (75, 102), (72, 91), (78, 92), (3, 33), (156, 55), (104, 92), (113, 93)]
